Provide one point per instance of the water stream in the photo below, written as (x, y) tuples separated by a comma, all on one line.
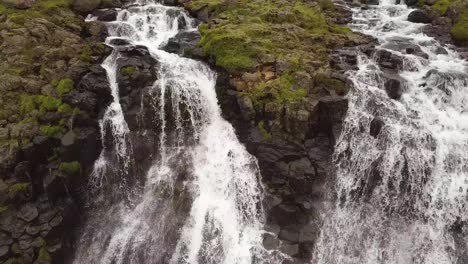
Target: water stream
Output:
[(402, 196), (200, 201)]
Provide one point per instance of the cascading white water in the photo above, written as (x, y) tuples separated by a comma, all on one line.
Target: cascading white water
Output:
[(402, 197), (223, 220)]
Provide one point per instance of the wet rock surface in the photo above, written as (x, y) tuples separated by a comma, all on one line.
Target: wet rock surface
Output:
[(182, 41), (422, 16), (135, 69), (48, 128)]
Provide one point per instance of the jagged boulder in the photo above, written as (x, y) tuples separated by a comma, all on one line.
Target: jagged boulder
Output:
[(394, 88), (182, 41), (388, 60), (105, 15), (405, 45), (136, 69), (376, 126), (424, 15), (96, 82)]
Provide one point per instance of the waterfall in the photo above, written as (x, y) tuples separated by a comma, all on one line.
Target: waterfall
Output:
[(200, 200), (402, 195)]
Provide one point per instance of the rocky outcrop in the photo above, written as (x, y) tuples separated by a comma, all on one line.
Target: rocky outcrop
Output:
[(290, 120), (182, 41), (51, 94), (424, 15), (136, 69), (447, 20)]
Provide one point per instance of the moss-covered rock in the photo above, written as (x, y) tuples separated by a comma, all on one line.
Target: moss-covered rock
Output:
[(65, 86), (459, 30), (70, 168), (281, 42)]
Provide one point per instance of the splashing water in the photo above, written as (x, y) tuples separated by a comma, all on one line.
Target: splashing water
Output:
[(401, 196), (200, 201)]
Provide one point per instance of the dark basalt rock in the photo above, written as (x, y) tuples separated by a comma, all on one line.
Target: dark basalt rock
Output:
[(405, 45), (344, 59), (96, 82), (28, 212), (421, 16), (136, 69), (388, 60), (182, 41), (119, 42), (411, 2), (441, 50), (105, 15), (84, 100), (376, 126), (440, 30), (394, 88)]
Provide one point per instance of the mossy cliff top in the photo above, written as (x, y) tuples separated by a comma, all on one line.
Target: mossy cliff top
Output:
[(275, 51)]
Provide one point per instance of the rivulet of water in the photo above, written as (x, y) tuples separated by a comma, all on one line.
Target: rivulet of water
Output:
[(402, 197), (200, 201)]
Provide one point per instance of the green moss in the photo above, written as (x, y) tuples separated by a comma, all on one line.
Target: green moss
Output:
[(209, 4), (459, 30), (247, 31), (42, 8), (65, 86), (85, 57), (311, 17), (230, 48), (326, 5), (27, 103), (43, 103), (43, 256), (441, 6), (16, 70), (3, 209), (263, 131), (128, 71), (70, 168), (65, 108), (283, 90), (48, 103), (51, 130), (19, 187)]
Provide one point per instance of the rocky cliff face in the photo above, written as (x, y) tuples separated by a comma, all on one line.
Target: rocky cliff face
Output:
[(280, 82), (286, 97), (52, 90)]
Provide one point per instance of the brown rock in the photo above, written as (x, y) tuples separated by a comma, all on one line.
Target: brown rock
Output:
[(269, 75)]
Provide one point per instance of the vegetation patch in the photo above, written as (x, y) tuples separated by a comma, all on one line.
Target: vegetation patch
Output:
[(459, 31), (246, 31), (51, 130), (441, 6), (263, 131), (247, 36), (70, 168), (283, 89), (65, 86), (19, 188), (128, 71), (3, 209)]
